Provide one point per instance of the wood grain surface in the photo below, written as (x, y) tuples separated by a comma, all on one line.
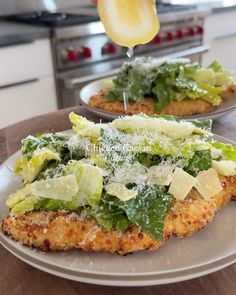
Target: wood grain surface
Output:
[(18, 278)]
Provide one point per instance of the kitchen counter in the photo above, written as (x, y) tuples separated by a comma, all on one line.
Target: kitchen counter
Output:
[(17, 277), (15, 33)]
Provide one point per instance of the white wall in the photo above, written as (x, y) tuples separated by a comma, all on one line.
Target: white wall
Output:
[(19, 6)]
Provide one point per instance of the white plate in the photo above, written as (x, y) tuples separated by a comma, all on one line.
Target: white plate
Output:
[(180, 259), (93, 88)]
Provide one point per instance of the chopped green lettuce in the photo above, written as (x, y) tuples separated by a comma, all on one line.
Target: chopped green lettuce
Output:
[(18, 196), (200, 161), (228, 151), (170, 128), (213, 93), (90, 182), (223, 78), (60, 188), (62, 193), (204, 124), (169, 81), (56, 142), (30, 168), (110, 217), (84, 127), (133, 81), (148, 160), (24, 206), (56, 205), (147, 210)]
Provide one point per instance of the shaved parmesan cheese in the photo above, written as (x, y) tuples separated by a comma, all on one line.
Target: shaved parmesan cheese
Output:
[(208, 183), (120, 191), (225, 167), (170, 128), (61, 188), (108, 84), (161, 174), (181, 184)]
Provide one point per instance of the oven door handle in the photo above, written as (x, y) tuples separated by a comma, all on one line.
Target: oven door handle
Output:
[(71, 84), (190, 51)]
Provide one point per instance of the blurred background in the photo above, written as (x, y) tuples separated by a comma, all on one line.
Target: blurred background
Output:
[(50, 49)]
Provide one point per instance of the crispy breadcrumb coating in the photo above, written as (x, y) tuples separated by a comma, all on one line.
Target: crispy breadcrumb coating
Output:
[(60, 231)]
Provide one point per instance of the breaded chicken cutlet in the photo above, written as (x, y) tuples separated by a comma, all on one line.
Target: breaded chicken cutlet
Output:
[(183, 108), (60, 231)]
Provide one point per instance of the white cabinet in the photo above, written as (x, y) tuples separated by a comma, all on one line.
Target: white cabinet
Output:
[(220, 33), (25, 100), (25, 61), (27, 85)]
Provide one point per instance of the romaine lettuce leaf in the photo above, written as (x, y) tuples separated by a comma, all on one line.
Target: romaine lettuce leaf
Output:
[(110, 217), (148, 160), (18, 196), (216, 67), (228, 151), (213, 93), (84, 127), (24, 206), (223, 78), (90, 182), (56, 142), (133, 80), (31, 167), (147, 210), (56, 205), (200, 161), (204, 124)]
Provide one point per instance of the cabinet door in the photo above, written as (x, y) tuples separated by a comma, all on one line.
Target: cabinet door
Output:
[(25, 61), (22, 101), (223, 49)]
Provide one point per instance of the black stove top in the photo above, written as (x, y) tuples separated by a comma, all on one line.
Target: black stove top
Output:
[(52, 19), (68, 19)]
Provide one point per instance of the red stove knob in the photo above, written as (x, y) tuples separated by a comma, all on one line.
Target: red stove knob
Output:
[(191, 32), (180, 34), (86, 52), (157, 39), (200, 30), (72, 55), (170, 36), (109, 48)]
